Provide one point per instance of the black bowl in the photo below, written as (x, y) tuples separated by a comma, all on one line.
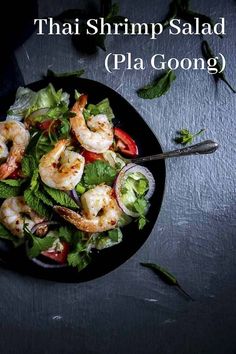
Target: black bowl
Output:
[(107, 260)]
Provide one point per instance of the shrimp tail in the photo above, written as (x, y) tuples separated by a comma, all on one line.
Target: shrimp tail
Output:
[(7, 168)]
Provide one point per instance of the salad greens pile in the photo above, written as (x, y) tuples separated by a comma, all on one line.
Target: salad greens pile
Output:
[(46, 114)]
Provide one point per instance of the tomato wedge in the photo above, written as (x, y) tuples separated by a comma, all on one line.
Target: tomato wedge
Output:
[(59, 257), (91, 156), (125, 143), (48, 124)]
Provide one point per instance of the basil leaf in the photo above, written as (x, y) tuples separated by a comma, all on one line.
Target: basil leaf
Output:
[(159, 87), (208, 53), (166, 276)]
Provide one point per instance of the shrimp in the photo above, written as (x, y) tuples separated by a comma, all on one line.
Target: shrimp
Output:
[(100, 211), (15, 133), (61, 168), (97, 134), (14, 213)]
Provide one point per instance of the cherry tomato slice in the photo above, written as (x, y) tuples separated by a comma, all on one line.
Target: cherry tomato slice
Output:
[(125, 143), (59, 257), (91, 156)]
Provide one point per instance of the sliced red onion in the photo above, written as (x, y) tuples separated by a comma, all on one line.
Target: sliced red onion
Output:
[(128, 169), (47, 265), (42, 224), (39, 112), (75, 197)]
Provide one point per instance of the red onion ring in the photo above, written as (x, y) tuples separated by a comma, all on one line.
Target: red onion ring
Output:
[(132, 168), (41, 224), (46, 265), (75, 197)]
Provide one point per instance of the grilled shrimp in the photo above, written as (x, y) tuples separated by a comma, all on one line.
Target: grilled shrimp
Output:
[(97, 134), (61, 168), (15, 133), (14, 212), (100, 211)]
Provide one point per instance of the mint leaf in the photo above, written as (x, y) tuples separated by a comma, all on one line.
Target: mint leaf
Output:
[(13, 182), (7, 191), (43, 197), (35, 203), (38, 244), (60, 197), (28, 165), (99, 172), (6, 235), (159, 87)]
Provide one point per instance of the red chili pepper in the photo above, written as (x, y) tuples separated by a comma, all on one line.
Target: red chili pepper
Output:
[(59, 257), (125, 143), (91, 156)]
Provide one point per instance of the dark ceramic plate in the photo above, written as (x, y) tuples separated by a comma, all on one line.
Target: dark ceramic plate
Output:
[(107, 260)]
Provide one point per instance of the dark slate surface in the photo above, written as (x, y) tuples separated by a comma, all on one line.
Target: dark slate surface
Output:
[(130, 310)]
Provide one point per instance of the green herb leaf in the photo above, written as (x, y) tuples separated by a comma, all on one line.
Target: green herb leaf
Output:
[(207, 53), (28, 165), (80, 260), (66, 233), (186, 137), (159, 87), (38, 244), (75, 74), (60, 197), (115, 234), (43, 197), (166, 276), (35, 203), (13, 182), (6, 234), (98, 172), (7, 190)]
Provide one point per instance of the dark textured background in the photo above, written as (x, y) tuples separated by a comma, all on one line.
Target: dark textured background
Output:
[(130, 310)]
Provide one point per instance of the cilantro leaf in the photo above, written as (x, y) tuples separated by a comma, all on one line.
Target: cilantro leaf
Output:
[(7, 235), (38, 244), (80, 260), (98, 172), (186, 137), (159, 87), (66, 233), (60, 197), (141, 206)]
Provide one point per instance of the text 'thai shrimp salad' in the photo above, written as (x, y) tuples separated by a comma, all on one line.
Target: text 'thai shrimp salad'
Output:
[(66, 185)]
